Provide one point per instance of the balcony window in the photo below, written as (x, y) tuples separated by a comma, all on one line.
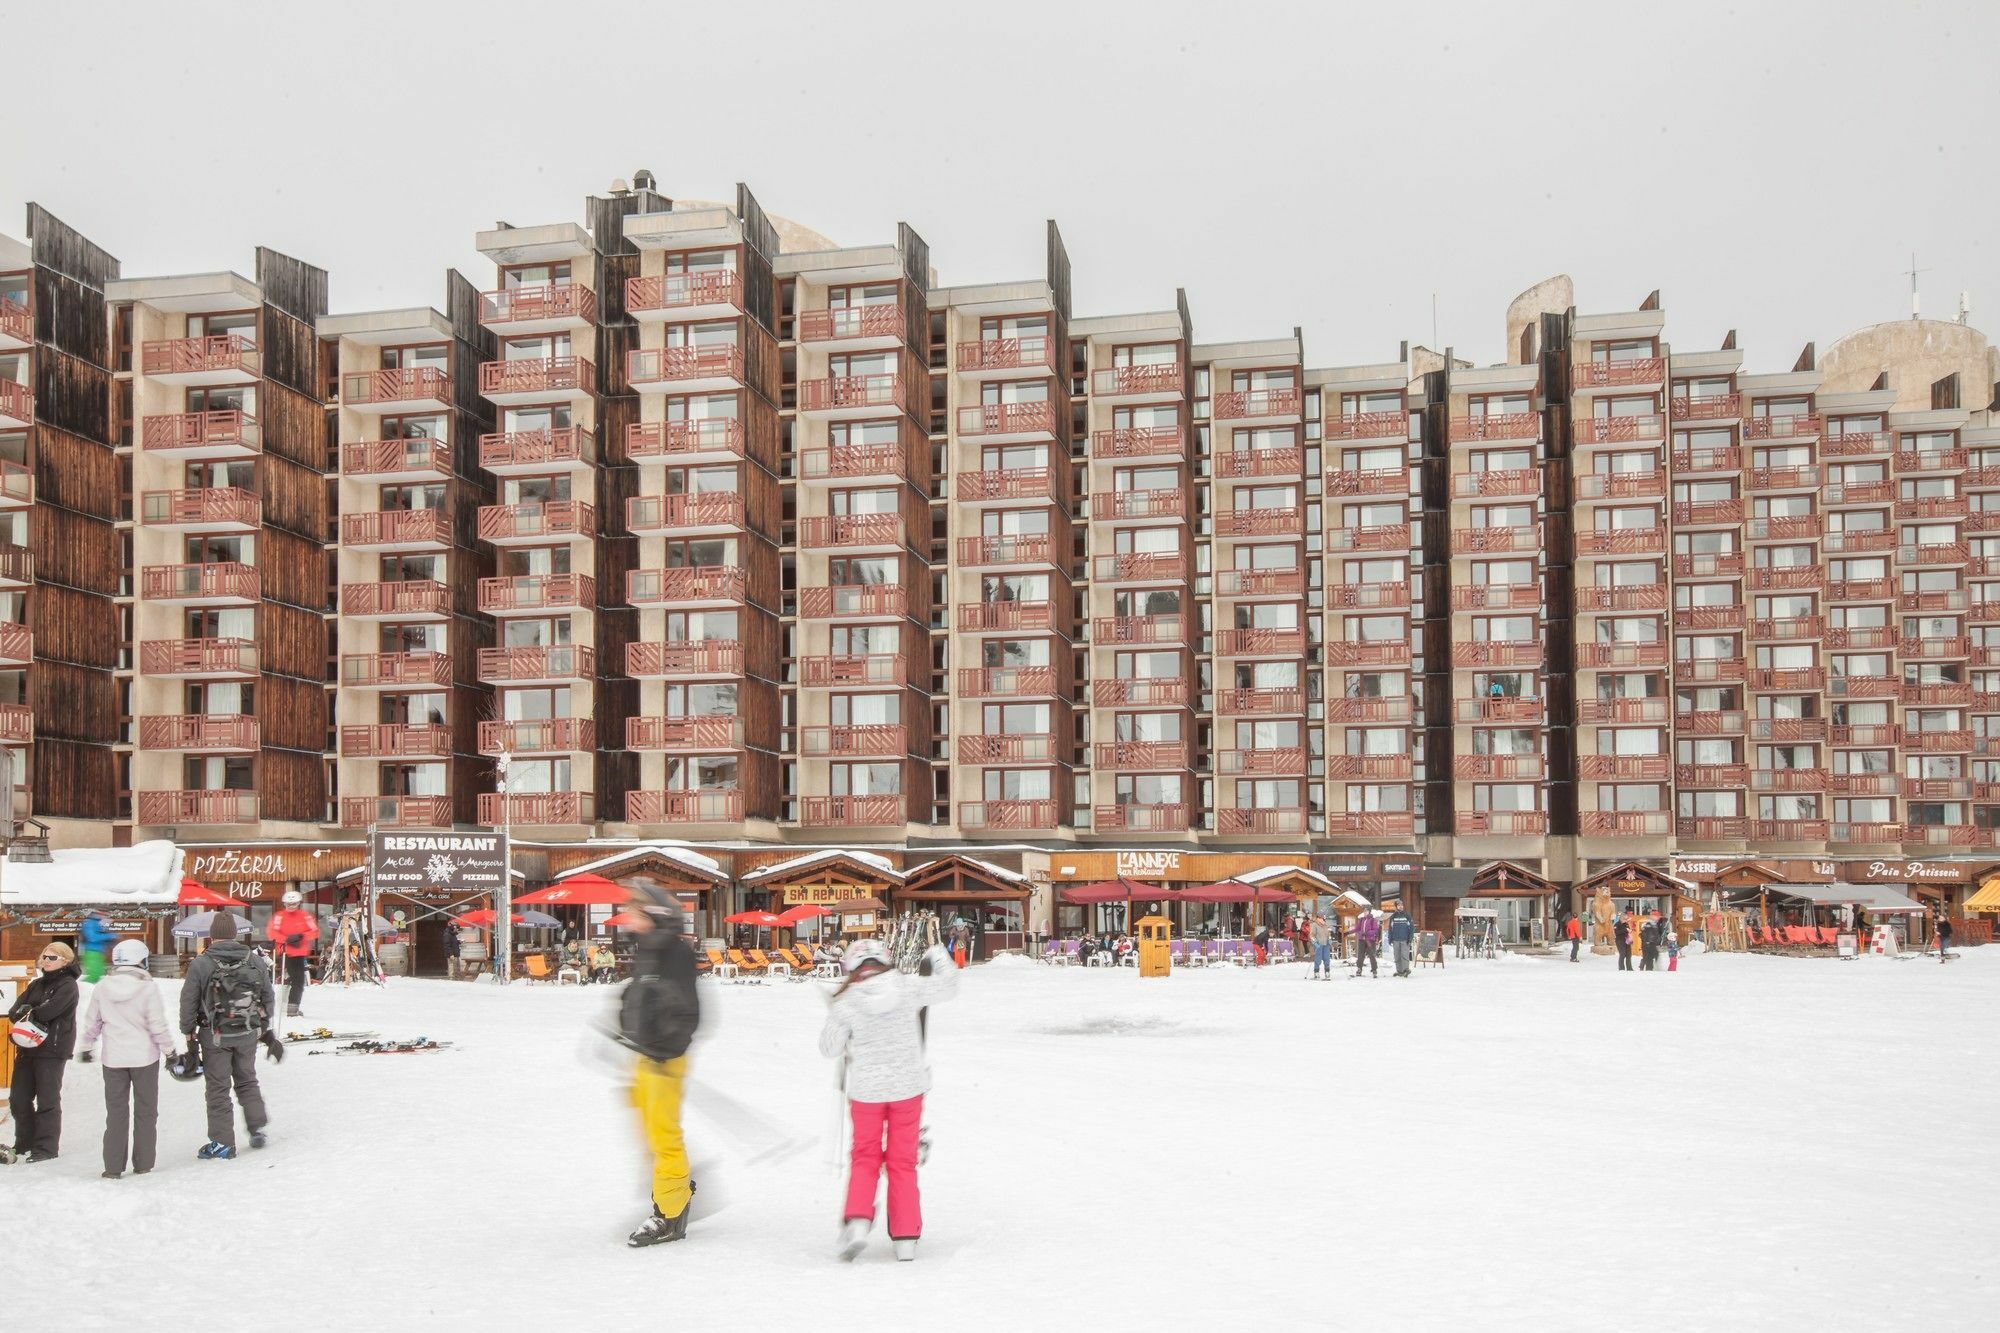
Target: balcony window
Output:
[(1004, 457), (1788, 806), (1507, 516), (225, 324), (1368, 403), (1718, 386), (535, 705), (710, 333), (428, 356), (1154, 417), (1627, 518), (1146, 602), (1016, 784), (715, 699), (1628, 685), (1263, 439), (701, 552), (523, 420), (1166, 541), (1857, 520), (1268, 794), (417, 780), (865, 779), (1278, 616), (1372, 460), (1503, 629), (1146, 666), (703, 772), (1504, 797), (1145, 726), (202, 548), (1625, 405), (1267, 675), (1707, 648), (1267, 556), (865, 710), (1505, 741), (1628, 629), (1016, 719), (1149, 789), (865, 640), (1631, 797), (1013, 522), (1709, 804), (1943, 767), (1504, 685), (534, 275), (1013, 652), (1629, 741), (412, 709), (1766, 409), (220, 398), (1623, 351), (1377, 800), (995, 588), (217, 772), (844, 571), (1481, 406), (1707, 752), (529, 561)]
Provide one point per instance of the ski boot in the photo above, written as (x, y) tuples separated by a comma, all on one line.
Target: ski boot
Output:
[(216, 1152), (257, 1139), (906, 1250), (293, 1011), (660, 1228), (853, 1239)]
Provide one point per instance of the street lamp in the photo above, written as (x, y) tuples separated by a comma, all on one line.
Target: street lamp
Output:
[(503, 922)]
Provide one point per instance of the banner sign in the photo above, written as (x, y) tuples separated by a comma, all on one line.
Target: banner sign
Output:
[(412, 863), (1149, 865), (821, 895)]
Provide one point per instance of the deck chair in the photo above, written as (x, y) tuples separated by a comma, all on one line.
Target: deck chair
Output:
[(744, 964), (802, 961), (721, 966), (538, 968)]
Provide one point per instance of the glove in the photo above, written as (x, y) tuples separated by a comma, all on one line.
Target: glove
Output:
[(274, 1050), (294, 941)]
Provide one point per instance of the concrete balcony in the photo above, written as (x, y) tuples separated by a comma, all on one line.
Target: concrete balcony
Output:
[(859, 533), (1144, 567), (395, 740), (413, 460), (876, 811), (537, 523), (1010, 748), (156, 809), (1248, 701), (1624, 767), (991, 617), (541, 809), (1802, 426), (218, 583), (1348, 711), (853, 328), (537, 594), (1524, 482), (1137, 818), (1008, 816), (691, 734), (853, 670), (17, 645), (884, 462), (419, 390), (398, 529), (843, 397), (1291, 820), (1496, 596), (1139, 756), (1525, 427), (203, 509), (523, 453), (1361, 427), (887, 738), (17, 326), (1258, 642), (544, 307), (1239, 523), (719, 805), (1286, 761), (540, 379), (17, 406), (1021, 682), (394, 812), (1160, 383), (225, 359), (684, 514), (1487, 541), (1625, 823), (1501, 823), (199, 436), (1155, 444), (1499, 767), (191, 659), (1003, 423), (1019, 551), (409, 599), (1139, 691), (1010, 487), (1712, 828), (710, 293), (709, 440), (1258, 405), (1367, 596), (1008, 358), (395, 671), (1502, 710), (684, 659), (715, 368), (864, 601), (1635, 373), (542, 735), (207, 733), (1372, 824), (538, 664), (17, 486)]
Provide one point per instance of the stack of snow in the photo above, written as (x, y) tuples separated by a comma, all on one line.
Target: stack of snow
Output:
[(145, 875)]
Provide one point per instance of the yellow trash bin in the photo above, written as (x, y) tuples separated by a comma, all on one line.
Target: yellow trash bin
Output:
[(1155, 955)]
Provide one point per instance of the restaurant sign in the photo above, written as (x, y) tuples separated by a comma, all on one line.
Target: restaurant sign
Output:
[(819, 895), (253, 873), (1149, 865), (413, 863)]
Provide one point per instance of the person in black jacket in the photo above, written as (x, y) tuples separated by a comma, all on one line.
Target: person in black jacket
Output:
[(1649, 944), (35, 1097), (1621, 935), (229, 1042), (657, 1018)]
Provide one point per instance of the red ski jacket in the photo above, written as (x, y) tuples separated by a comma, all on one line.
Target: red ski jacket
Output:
[(293, 921)]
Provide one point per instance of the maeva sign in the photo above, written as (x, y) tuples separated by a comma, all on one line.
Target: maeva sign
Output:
[(412, 862)]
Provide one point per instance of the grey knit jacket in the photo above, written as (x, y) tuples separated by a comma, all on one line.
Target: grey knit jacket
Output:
[(874, 1024)]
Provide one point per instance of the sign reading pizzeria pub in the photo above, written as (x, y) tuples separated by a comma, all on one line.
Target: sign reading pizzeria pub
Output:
[(411, 863)]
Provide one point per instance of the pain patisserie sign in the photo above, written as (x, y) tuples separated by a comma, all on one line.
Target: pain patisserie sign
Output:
[(1893, 870)]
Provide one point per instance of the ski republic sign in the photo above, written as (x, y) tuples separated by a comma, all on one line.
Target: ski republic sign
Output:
[(1149, 865), (410, 863)]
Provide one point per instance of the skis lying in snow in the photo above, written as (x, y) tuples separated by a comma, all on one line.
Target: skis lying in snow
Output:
[(410, 1047), (324, 1034)]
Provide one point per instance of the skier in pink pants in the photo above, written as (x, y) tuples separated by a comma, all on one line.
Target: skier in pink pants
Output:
[(874, 1025)]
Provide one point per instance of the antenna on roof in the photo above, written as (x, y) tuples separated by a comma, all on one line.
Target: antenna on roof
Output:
[(1965, 307), (1914, 271)]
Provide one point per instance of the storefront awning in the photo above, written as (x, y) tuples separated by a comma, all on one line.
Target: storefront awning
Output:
[(1987, 899), (1878, 898)]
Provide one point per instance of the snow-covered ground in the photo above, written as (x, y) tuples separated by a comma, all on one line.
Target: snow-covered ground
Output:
[(1748, 1143)]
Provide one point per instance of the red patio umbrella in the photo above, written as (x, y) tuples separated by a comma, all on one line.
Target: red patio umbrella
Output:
[(484, 916), (196, 894), (792, 916), (584, 890), (1113, 891), (1236, 891), (757, 917)]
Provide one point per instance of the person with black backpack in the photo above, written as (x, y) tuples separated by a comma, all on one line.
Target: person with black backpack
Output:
[(657, 1018), (226, 1004)]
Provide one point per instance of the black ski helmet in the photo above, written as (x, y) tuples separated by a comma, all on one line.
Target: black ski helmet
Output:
[(663, 907), (185, 1065)]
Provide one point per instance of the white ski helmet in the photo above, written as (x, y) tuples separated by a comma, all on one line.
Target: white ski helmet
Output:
[(862, 952), (129, 953), (292, 898)]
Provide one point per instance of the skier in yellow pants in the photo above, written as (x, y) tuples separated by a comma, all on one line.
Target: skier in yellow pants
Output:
[(657, 1019)]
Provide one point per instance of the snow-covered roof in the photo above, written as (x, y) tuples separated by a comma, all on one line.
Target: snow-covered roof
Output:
[(998, 872), (1305, 872), (869, 859), (148, 873), (693, 860)]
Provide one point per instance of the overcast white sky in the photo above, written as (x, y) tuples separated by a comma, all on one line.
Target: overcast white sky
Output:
[(1769, 166)]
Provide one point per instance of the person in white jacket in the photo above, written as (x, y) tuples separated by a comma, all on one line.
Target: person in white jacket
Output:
[(129, 1016), (874, 1025)]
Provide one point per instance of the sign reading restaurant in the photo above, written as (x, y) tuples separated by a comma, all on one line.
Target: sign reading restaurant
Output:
[(414, 862)]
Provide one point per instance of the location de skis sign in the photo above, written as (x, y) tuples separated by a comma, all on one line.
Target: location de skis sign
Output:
[(416, 861)]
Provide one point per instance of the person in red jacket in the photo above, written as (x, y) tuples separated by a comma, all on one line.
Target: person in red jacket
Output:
[(1573, 932), (292, 933)]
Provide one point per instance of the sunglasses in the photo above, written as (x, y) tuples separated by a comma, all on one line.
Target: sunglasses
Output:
[(52, 958)]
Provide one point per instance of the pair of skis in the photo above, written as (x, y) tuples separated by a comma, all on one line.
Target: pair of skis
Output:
[(413, 1046), (325, 1034)]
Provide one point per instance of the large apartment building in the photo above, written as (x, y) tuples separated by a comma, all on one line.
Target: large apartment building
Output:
[(686, 523)]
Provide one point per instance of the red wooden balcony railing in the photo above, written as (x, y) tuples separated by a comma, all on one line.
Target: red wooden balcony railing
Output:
[(1236, 463), (1497, 653), (198, 731), (16, 321), (1621, 656), (888, 458), (1499, 767), (538, 375), (1709, 565), (1007, 815), (1241, 700), (1003, 615), (1727, 458), (1925, 789), (1367, 596), (1788, 728), (227, 352), (1370, 824), (1866, 735), (1499, 481), (1496, 596), (424, 597), (1106, 631), (668, 440), (874, 738), (1708, 617), (1947, 646), (684, 733), (1142, 567), (1861, 636), (1712, 828), (524, 449), (1387, 482), (1151, 442), (1624, 767), (397, 527), (1625, 823), (17, 484), (1792, 527), (861, 599), (701, 509), (1622, 541), (1280, 761), (674, 291), (395, 811), (1621, 485), (207, 806), (1599, 712), (207, 582), (840, 391), (686, 583), (1239, 582), (1121, 691), (539, 808), (1712, 775), (1788, 679), (1367, 426), (1498, 426), (16, 402), (1938, 742), (834, 531), (1502, 823), (1791, 477), (1798, 576), (1937, 694), (1012, 549), (1378, 537), (393, 740), (1598, 374), (699, 657), (1787, 627), (541, 735), (1257, 642), (719, 805), (1136, 818), (1950, 835), (1934, 553), (884, 320), (170, 657), (1021, 483), (853, 669), (525, 663), (1238, 405), (412, 457), (1281, 819), (1712, 407), (1789, 830), (1394, 708), (208, 506), (670, 365), (1006, 682), (1780, 428), (1034, 418), (1368, 652), (376, 671), (1710, 513), (1165, 503), (555, 520), (1032, 747), (384, 387), (1370, 767), (1854, 685), (1477, 541), (1855, 540), (541, 302), (1619, 430), (197, 431), (1131, 756), (1628, 597), (1166, 378), (538, 592), (852, 811), (1259, 522), (1499, 708), (1007, 354), (1856, 444), (1931, 460)]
